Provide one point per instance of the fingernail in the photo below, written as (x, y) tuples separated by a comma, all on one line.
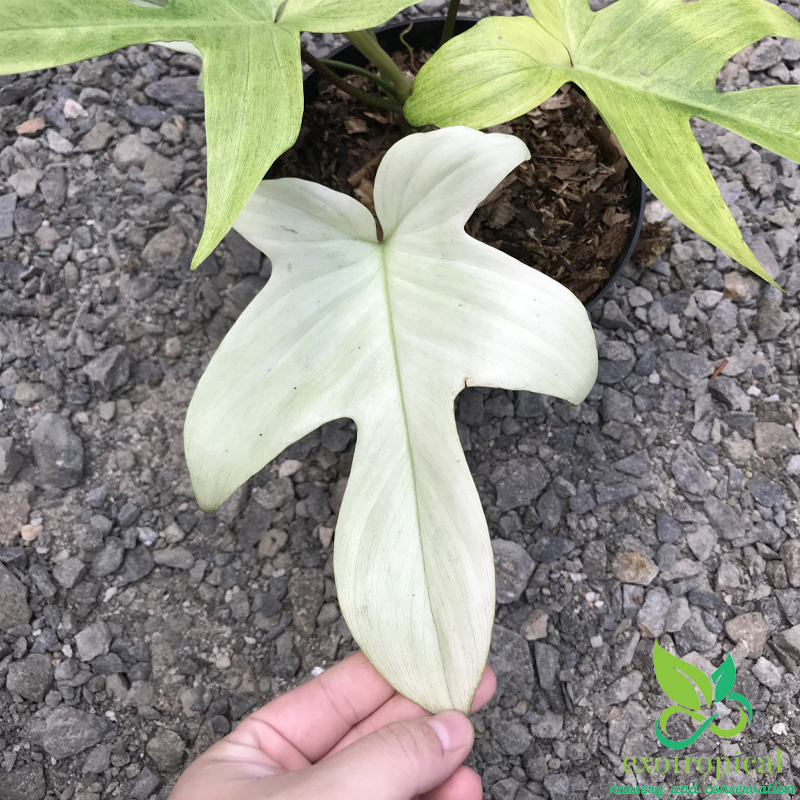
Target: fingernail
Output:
[(453, 729)]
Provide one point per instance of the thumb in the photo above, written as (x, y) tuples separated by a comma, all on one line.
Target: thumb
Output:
[(397, 762)]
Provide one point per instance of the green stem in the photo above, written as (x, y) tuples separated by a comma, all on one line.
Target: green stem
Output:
[(365, 97), (385, 85), (450, 21), (363, 42)]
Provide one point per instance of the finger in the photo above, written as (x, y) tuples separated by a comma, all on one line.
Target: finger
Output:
[(401, 708), (396, 762), (463, 784), (311, 719)]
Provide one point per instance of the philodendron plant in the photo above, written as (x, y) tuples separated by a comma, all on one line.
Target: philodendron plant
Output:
[(386, 324), (387, 332), (648, 66)]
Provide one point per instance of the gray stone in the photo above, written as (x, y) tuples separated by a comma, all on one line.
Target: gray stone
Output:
[(246, 256), (766, 55), (688, 473), (510, 737), (274, 493), (506, 789), (694, 635), (653, 615), (635, 568), (725, 520), (702, 542), (10, 460), (180, 93), (547, 660), (30, 677), (54, 187), (15, 91), (519, 482), (174, 557), (616, 493), (548, 548), (145, 784), (58, 451), (13, 601), (790, 554), (767, 673), (550, 510), (636, 465), (58, 143), (617, 407), (143, 116), (131, 151), (69, 572), (735, 147), (545, 724), (138, 563), (69, 731), (765, 492), (167, 172), (789, 641), (789, 601), (98, 137), (677, 615), (513, 568), (668, 529), (306, 595), (93, 641), (165, 249), (110, 370), (613, 318), (728, 391), (510, 658), (557, 786), (770, 320), (723, 318), (8, 204), (774, 439), (109, 559), (624, 687), (25, 181), (751, 629), (98, 760), (24, 783), (683, 369), (535, 625), (141, 694)]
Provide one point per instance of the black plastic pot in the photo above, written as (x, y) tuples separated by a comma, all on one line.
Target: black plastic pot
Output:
[(425, 35)]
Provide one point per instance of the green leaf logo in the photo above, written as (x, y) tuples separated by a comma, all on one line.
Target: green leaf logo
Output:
[(680, 680), (724, 677), (675, 677)]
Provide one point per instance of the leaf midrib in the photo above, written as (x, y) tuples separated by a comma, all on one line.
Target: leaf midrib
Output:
[(383, 250), (689, 108)]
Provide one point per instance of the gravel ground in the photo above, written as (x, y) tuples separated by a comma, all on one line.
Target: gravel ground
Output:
[(135, 630)]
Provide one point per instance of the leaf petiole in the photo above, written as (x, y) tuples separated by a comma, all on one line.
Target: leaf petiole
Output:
[(385, 85), (347, 87), (450, 21), (368, 46)]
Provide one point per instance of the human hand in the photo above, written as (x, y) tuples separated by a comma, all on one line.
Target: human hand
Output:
[(345, 735)]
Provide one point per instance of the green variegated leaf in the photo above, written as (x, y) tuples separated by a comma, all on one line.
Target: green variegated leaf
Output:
[(388, 334), (648, 66), (252, 73)]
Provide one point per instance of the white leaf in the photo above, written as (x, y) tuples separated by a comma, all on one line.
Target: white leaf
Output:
[(388, 334)]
